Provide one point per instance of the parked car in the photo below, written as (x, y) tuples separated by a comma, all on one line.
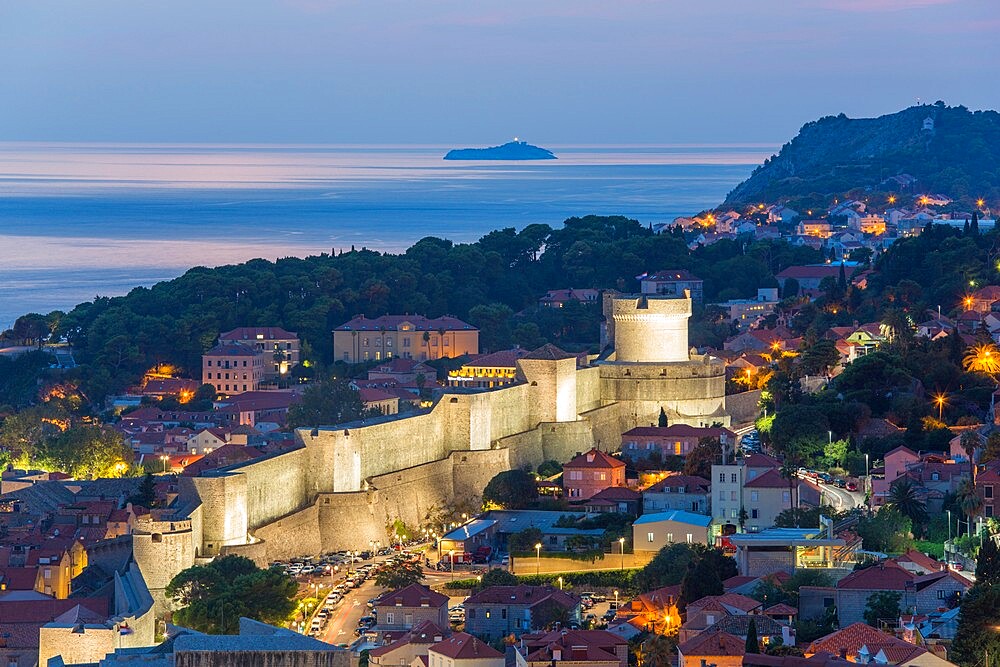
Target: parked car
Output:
[(840, 483), (852, 486)]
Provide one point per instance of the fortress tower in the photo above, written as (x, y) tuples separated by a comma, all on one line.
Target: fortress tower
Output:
[(648, 328)]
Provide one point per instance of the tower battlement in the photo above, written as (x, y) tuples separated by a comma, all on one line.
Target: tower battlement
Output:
[(648, 328)]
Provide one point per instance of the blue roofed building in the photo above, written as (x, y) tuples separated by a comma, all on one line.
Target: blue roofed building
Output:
[(652, 532)]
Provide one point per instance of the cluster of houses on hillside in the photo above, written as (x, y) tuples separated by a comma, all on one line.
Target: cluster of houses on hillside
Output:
[(841, 230)]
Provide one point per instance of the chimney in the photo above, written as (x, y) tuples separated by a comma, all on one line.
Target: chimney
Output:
[(843, 652), (557, 653)]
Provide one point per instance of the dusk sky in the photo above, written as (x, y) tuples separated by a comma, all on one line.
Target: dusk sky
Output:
[(473, 72)]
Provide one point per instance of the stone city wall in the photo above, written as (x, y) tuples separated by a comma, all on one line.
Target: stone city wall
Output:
[(743, 407)]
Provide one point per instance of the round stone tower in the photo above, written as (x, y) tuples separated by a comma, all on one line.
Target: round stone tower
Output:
[(650, 328)]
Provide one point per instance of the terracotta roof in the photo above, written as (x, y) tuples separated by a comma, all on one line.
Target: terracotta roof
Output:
[(690, 484), (232, 350), (771, 479), (251, 333), (932, 578), (226, 455), (758, 460), (902, 449), (713, 643), (424, 632), (857, 635), (501, 359), (735, 600), (781, 609), (886, 576), (737, 581), (463, 646), (616, 493), (739, 624), (19, 578), (575, 645), (922, 560), (392, 322), (522, 594), (549, 352), (368, 395), (595, 458), (413, 595)]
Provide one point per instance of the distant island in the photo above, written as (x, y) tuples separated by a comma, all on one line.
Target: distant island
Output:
[(512, 150)]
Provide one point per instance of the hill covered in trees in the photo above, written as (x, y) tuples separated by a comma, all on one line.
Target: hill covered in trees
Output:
[(957, 153), (493, 283)]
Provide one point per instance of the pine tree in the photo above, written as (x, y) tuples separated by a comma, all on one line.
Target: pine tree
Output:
[(663, 418), (752, 645), (701, 580)]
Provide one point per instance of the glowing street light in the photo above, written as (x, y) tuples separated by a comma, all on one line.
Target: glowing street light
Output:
[(164, 458), (980, 202), (538, 557), (621, 542), (940, 400), (892, 199), (560, 583)]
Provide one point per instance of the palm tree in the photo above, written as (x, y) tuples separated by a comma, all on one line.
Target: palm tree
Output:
[(970, 442), (982, 358), (905, 497), (968, 500), (659, 651)]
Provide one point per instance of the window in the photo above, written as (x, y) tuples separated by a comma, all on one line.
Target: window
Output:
[(989, 510), (407, 619), (722, 477), (602, 476), (347, 356), (754, 513), (754, 496), (209, 362), (690, 538), (786, 496), (732, 495), (364, 342), (732, 478), (649, 537), (487, 613), (670, 537), (722, 495), (389, 617), (732, 514), (503, 613), (471, 613), (988, 491), (406, 342), (943, 595)]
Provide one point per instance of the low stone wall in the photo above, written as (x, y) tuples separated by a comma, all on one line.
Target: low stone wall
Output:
[(528, 564), (743, 407)]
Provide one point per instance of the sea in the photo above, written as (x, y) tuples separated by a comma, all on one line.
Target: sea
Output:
[(85, 220)]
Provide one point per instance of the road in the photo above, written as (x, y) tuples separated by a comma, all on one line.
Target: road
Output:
[(839, 499)]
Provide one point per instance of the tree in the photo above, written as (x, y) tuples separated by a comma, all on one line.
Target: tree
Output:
[(498, 577), (667, 567), (976, 633), (970, 443), (982, 358), (399, 575), (882, 606), (511, 489), (549, 468), (700, 580), (145, 495), (886, 531), (525, 540), (662, 421), (213, 597), (87, 451), (752, 645), (967, 499), (904, 496), (327, 403), (988, 563), (699, 461)]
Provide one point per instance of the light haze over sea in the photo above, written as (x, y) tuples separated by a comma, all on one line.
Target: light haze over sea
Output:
[(80, 220)]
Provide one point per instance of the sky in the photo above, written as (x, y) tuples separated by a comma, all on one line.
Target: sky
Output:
[(478, 72)]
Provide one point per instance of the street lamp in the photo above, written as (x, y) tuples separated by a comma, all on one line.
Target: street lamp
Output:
[(621, 543), (616, 600), (560, 583), (940, 399), (164, 459), (949, 524), (451, 557), (538, 557), (867, 474)]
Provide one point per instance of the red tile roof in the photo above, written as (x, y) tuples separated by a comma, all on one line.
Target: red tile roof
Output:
[(522, 594), (735, 600), (424, 632), (886, 576), (595, 458), (857, 635), (758, 460), (921, 560), (463, 646), (616, 493), (232, 350), (712, 643), (413, 595), (419, 322), (369, 395), (251, 333), (771, 479), (226, 455), (781, 609), (690, 484), (501, 359)]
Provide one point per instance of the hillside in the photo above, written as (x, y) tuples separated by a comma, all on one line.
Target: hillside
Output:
[(959, 157)]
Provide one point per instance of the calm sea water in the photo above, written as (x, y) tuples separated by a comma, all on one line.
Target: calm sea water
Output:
[(80, 220)]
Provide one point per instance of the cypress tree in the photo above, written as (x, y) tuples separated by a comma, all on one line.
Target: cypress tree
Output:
[(988, 563), (965, 230), (974, 226), (663, 418), (752, 645), (842, 277)]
